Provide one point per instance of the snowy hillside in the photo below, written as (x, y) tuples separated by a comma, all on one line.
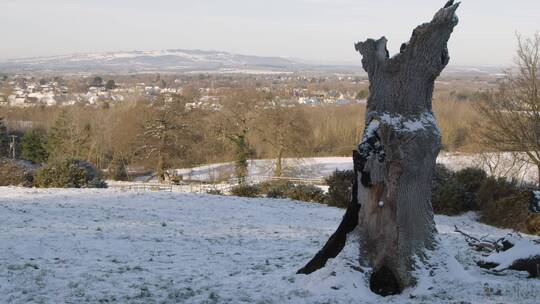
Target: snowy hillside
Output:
[(146, 61), (102, 246), (193, 61)]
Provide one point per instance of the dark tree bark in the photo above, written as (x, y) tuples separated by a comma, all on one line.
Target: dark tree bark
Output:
[(396, 158), (337, 241), (534, 205)]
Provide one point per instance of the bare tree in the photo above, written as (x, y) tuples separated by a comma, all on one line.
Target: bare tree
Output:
[(121, 126), (511, 117), (237, 113), (69, 139), (394, 164), (513, 166), (163, 136), (285, 130)]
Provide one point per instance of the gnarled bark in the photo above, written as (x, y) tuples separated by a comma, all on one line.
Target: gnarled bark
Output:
[(396, 218), (398, 152)]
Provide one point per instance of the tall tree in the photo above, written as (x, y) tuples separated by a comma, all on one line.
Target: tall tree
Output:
[(110, 85), (164, 134), (66, 139), (97, 82), (237, 114), (395, 161), (511, 117), (33, 146), (285, 130)]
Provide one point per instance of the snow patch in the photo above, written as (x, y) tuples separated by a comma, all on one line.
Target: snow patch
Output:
[(523, 249), (372, 127), (402, 124)]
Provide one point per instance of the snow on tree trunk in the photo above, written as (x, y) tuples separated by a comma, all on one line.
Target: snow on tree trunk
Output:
[(399, 150)]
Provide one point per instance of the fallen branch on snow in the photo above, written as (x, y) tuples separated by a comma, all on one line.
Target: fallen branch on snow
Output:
[(507, 254), (501, 244)]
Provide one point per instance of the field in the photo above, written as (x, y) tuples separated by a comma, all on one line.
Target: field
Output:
[(106, 246), (321, 167)]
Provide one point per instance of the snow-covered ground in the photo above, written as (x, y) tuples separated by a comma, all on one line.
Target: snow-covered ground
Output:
[(317, 167), (320, 167), (105, 246)]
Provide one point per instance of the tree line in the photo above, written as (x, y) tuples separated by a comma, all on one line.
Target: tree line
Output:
[(175, 131), (171, 132)]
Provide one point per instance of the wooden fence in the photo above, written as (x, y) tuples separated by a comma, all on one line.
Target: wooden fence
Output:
[(202, 187), (141, 187)]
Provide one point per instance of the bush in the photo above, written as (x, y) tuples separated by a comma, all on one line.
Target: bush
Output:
[(281, 189), (69, 173), (117, 170), (494, 189), (214, 192), (16, 173), (245, 190), (509, 212), (533, 224), (440, 176), (306, 193), (33, 146), (504, 204), (450, 198), (339, 188), (275, 189), (471, 179), (455, 193), (501, 203)]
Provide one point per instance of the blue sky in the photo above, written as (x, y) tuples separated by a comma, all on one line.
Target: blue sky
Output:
[(317, 30)]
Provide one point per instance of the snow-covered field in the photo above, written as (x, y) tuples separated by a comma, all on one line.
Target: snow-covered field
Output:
[(317, 167), (320, 167), (104, 246)]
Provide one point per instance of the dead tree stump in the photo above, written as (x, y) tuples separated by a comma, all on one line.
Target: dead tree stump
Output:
[(395, 161)]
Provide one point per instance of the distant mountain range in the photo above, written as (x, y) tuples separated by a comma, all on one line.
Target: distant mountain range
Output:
[(181, 61)]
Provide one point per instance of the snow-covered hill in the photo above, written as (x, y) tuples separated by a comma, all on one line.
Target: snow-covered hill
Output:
[(102, 246), (151, 61), (193, 61)]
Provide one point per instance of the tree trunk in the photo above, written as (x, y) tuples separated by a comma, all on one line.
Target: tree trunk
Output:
[(160, 170), (279, 163), (398, 152), (538, 172), (401, 144)]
